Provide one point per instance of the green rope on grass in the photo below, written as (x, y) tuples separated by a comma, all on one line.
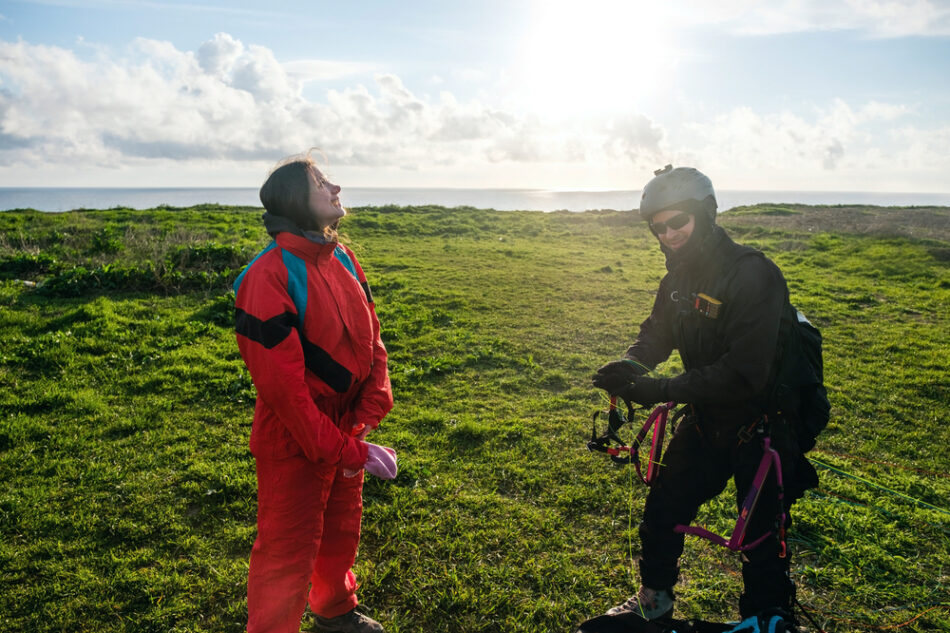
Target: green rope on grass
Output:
[(878, 486)]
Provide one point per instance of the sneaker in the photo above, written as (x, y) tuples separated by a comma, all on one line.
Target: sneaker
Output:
[(350, 622), (649, 604)]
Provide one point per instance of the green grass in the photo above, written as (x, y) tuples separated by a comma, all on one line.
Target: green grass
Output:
[(128, 495)]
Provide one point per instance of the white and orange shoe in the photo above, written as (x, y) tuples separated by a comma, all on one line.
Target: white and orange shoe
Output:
[(649, 604)]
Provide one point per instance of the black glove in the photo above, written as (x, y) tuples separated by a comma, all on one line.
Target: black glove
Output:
[(616, 374), (643, 391)]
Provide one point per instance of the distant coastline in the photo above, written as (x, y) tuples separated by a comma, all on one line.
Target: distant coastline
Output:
[(66, 199)]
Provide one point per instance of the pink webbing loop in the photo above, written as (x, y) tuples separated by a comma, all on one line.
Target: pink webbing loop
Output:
[(657, 422), (770, 459)]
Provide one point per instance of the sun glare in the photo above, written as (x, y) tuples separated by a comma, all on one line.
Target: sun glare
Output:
[(592, 56)]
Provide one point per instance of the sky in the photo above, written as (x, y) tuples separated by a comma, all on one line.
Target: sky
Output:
[(790, 95)]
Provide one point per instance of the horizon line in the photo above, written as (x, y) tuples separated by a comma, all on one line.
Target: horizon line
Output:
[(433, 188)]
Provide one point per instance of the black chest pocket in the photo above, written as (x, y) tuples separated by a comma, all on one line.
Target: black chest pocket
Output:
[(697, 333)]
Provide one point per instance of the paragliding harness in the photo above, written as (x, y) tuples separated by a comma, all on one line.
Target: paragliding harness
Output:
[(611, 443), (656, 421), (770, 460)]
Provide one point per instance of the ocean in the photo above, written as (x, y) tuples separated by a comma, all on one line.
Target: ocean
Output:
[(66, 199)]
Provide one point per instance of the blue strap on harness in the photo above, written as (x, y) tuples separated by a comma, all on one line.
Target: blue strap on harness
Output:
[(755, 624)]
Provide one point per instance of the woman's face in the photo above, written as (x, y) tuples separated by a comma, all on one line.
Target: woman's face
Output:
[(324, 200), (676, 227)]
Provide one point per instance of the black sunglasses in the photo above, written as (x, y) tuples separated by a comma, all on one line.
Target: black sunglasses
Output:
[(676, 222)]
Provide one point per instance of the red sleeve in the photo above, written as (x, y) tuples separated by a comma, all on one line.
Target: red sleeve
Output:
[(375, 399), (269, 342)]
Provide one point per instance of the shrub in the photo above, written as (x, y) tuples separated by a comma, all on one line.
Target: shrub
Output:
[(79, 281), (26, 266), (106, 241), (209, 256)]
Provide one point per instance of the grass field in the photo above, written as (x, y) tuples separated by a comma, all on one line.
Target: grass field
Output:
[(127, 500)]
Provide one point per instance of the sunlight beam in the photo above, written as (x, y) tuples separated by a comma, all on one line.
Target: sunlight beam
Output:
[(600, 55)]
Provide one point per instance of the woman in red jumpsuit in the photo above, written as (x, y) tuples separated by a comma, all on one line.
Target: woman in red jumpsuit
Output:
[(307, 330)]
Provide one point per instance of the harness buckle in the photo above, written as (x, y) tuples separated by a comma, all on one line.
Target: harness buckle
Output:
[(746, 433), (756, 429)]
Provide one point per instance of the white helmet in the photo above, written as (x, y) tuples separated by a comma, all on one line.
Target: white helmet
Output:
[(684, 188)]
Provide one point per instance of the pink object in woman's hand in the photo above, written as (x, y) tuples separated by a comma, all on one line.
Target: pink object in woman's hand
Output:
[(381, 461)]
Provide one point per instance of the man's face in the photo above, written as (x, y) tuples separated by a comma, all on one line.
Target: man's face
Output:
[(677, 227)]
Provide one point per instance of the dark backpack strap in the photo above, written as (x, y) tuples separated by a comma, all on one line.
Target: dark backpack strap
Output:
[(724, 275)]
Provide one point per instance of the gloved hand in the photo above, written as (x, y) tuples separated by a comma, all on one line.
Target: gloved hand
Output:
[(643, 391), (616, 374), (381, 461)]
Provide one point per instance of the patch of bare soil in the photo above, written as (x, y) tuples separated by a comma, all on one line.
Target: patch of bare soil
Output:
[(915, 222)]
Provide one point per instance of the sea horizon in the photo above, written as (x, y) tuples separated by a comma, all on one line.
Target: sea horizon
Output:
[(59, 199)]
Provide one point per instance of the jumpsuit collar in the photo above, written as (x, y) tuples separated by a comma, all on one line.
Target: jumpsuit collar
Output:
[(275, 224)]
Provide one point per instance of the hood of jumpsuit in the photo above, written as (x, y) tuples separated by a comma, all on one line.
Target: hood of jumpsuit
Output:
[(275, 224)]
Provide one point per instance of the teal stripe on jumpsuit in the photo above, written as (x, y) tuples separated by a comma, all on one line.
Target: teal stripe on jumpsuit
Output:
[(297, 276), (240, 278), (344, 259), (296, 284)]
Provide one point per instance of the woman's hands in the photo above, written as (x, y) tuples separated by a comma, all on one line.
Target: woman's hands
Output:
[(380, 462)]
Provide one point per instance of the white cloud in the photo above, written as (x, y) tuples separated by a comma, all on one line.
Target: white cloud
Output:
[(634, 137), (876, 18), (229, 101), (325, 70), (832, 147), (876, 111), (228, 106), (897, 18), (218, 55)]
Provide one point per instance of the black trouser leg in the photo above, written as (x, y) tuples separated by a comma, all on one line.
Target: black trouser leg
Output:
[(693, 472), (765, 574)]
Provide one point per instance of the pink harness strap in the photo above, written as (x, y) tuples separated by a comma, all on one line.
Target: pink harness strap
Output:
[(770, 459)]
